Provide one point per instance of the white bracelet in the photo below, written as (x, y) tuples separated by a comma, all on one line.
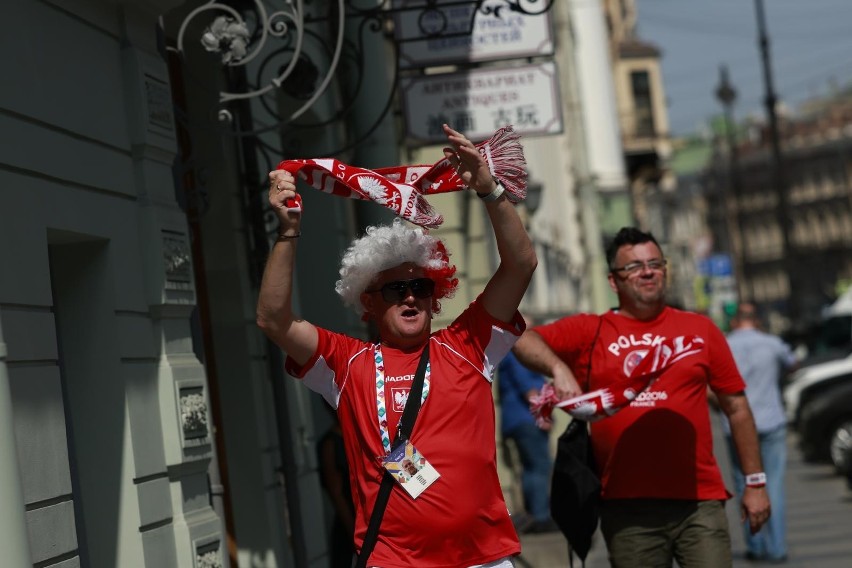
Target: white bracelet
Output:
[(494, 195), (755, 479)]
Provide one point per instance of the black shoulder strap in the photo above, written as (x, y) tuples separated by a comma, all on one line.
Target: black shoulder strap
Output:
[(412, 405), (592, 354), (406, 425)]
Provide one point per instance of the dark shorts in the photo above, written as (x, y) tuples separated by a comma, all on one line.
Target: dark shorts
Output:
[(651, 533)]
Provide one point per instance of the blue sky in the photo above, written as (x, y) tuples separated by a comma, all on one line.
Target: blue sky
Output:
[(810, 43)]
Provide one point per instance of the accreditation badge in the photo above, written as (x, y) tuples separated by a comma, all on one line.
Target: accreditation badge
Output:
[(410, 469)]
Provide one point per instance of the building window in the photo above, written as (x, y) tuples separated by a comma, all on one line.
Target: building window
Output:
[(640, 84)]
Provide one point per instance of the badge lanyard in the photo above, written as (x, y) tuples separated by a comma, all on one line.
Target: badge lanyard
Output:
[(380, 395), (406, 425)]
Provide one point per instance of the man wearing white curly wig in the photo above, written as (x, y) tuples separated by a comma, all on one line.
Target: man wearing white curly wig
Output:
[(395, 277)]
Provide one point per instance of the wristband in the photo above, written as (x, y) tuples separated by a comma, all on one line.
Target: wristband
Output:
[(286, 237), (755, 479), (494, 195)]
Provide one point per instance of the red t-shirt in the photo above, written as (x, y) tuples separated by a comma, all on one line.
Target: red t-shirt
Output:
[(461, 519), (661, 445)]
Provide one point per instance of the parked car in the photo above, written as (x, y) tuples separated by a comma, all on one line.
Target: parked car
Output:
[(849, 468), (824, 426), (812, 379), (818, 395)]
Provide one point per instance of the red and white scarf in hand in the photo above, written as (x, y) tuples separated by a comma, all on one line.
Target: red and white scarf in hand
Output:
[(402, 188), (607, 401)]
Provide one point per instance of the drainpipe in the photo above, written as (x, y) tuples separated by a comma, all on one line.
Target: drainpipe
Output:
[(250, 173), (217, 472), (13, 529)]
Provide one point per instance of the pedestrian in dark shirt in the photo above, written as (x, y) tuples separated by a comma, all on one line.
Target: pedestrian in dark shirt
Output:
[(334, 477), (517, 385)]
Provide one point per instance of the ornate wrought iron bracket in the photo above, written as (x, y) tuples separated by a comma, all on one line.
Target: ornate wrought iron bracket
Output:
[(298, 46)]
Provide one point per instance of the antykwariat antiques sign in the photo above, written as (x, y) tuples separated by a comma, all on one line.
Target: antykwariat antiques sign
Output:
[(479, 101)]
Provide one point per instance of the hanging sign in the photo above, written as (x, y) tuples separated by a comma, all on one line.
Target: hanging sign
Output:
[(479, 101), (459, 35)]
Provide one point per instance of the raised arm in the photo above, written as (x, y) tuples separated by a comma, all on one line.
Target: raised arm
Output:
[(274, 305), (507, 286)]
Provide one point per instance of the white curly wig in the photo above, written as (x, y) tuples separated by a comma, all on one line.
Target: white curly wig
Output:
[(385, 247)]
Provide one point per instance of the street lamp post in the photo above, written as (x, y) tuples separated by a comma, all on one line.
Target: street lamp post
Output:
[(788, 252), (732, 192)]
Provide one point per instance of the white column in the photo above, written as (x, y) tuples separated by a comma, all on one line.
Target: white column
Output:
[(13, 529), (597, 93)]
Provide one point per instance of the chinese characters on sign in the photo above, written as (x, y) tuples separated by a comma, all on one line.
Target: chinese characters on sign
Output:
[(480, 101)]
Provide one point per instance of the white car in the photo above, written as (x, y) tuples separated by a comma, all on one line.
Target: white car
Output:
[(818, 401), (811, 380)]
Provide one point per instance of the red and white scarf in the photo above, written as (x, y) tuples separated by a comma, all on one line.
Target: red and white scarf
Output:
[(607, 401), (402, 188)]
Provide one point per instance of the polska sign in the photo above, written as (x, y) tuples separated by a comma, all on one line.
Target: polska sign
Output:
[(500, 34), (479, 101)]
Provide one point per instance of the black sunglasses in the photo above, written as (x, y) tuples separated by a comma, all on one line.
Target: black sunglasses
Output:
[(397, 291)]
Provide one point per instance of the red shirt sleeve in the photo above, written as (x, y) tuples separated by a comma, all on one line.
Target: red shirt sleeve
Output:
[(724, 375)]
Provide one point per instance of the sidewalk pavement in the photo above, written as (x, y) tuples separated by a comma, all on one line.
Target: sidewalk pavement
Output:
[(819, 521)]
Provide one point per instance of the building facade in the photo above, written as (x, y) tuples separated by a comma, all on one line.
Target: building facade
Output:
[(642, 112), (109, 402), (816, 161), (150, 424)]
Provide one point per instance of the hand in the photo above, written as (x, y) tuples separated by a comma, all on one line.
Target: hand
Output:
[(565, 384), (532, 396), (755, 508), (470, 165), (282, 194)]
